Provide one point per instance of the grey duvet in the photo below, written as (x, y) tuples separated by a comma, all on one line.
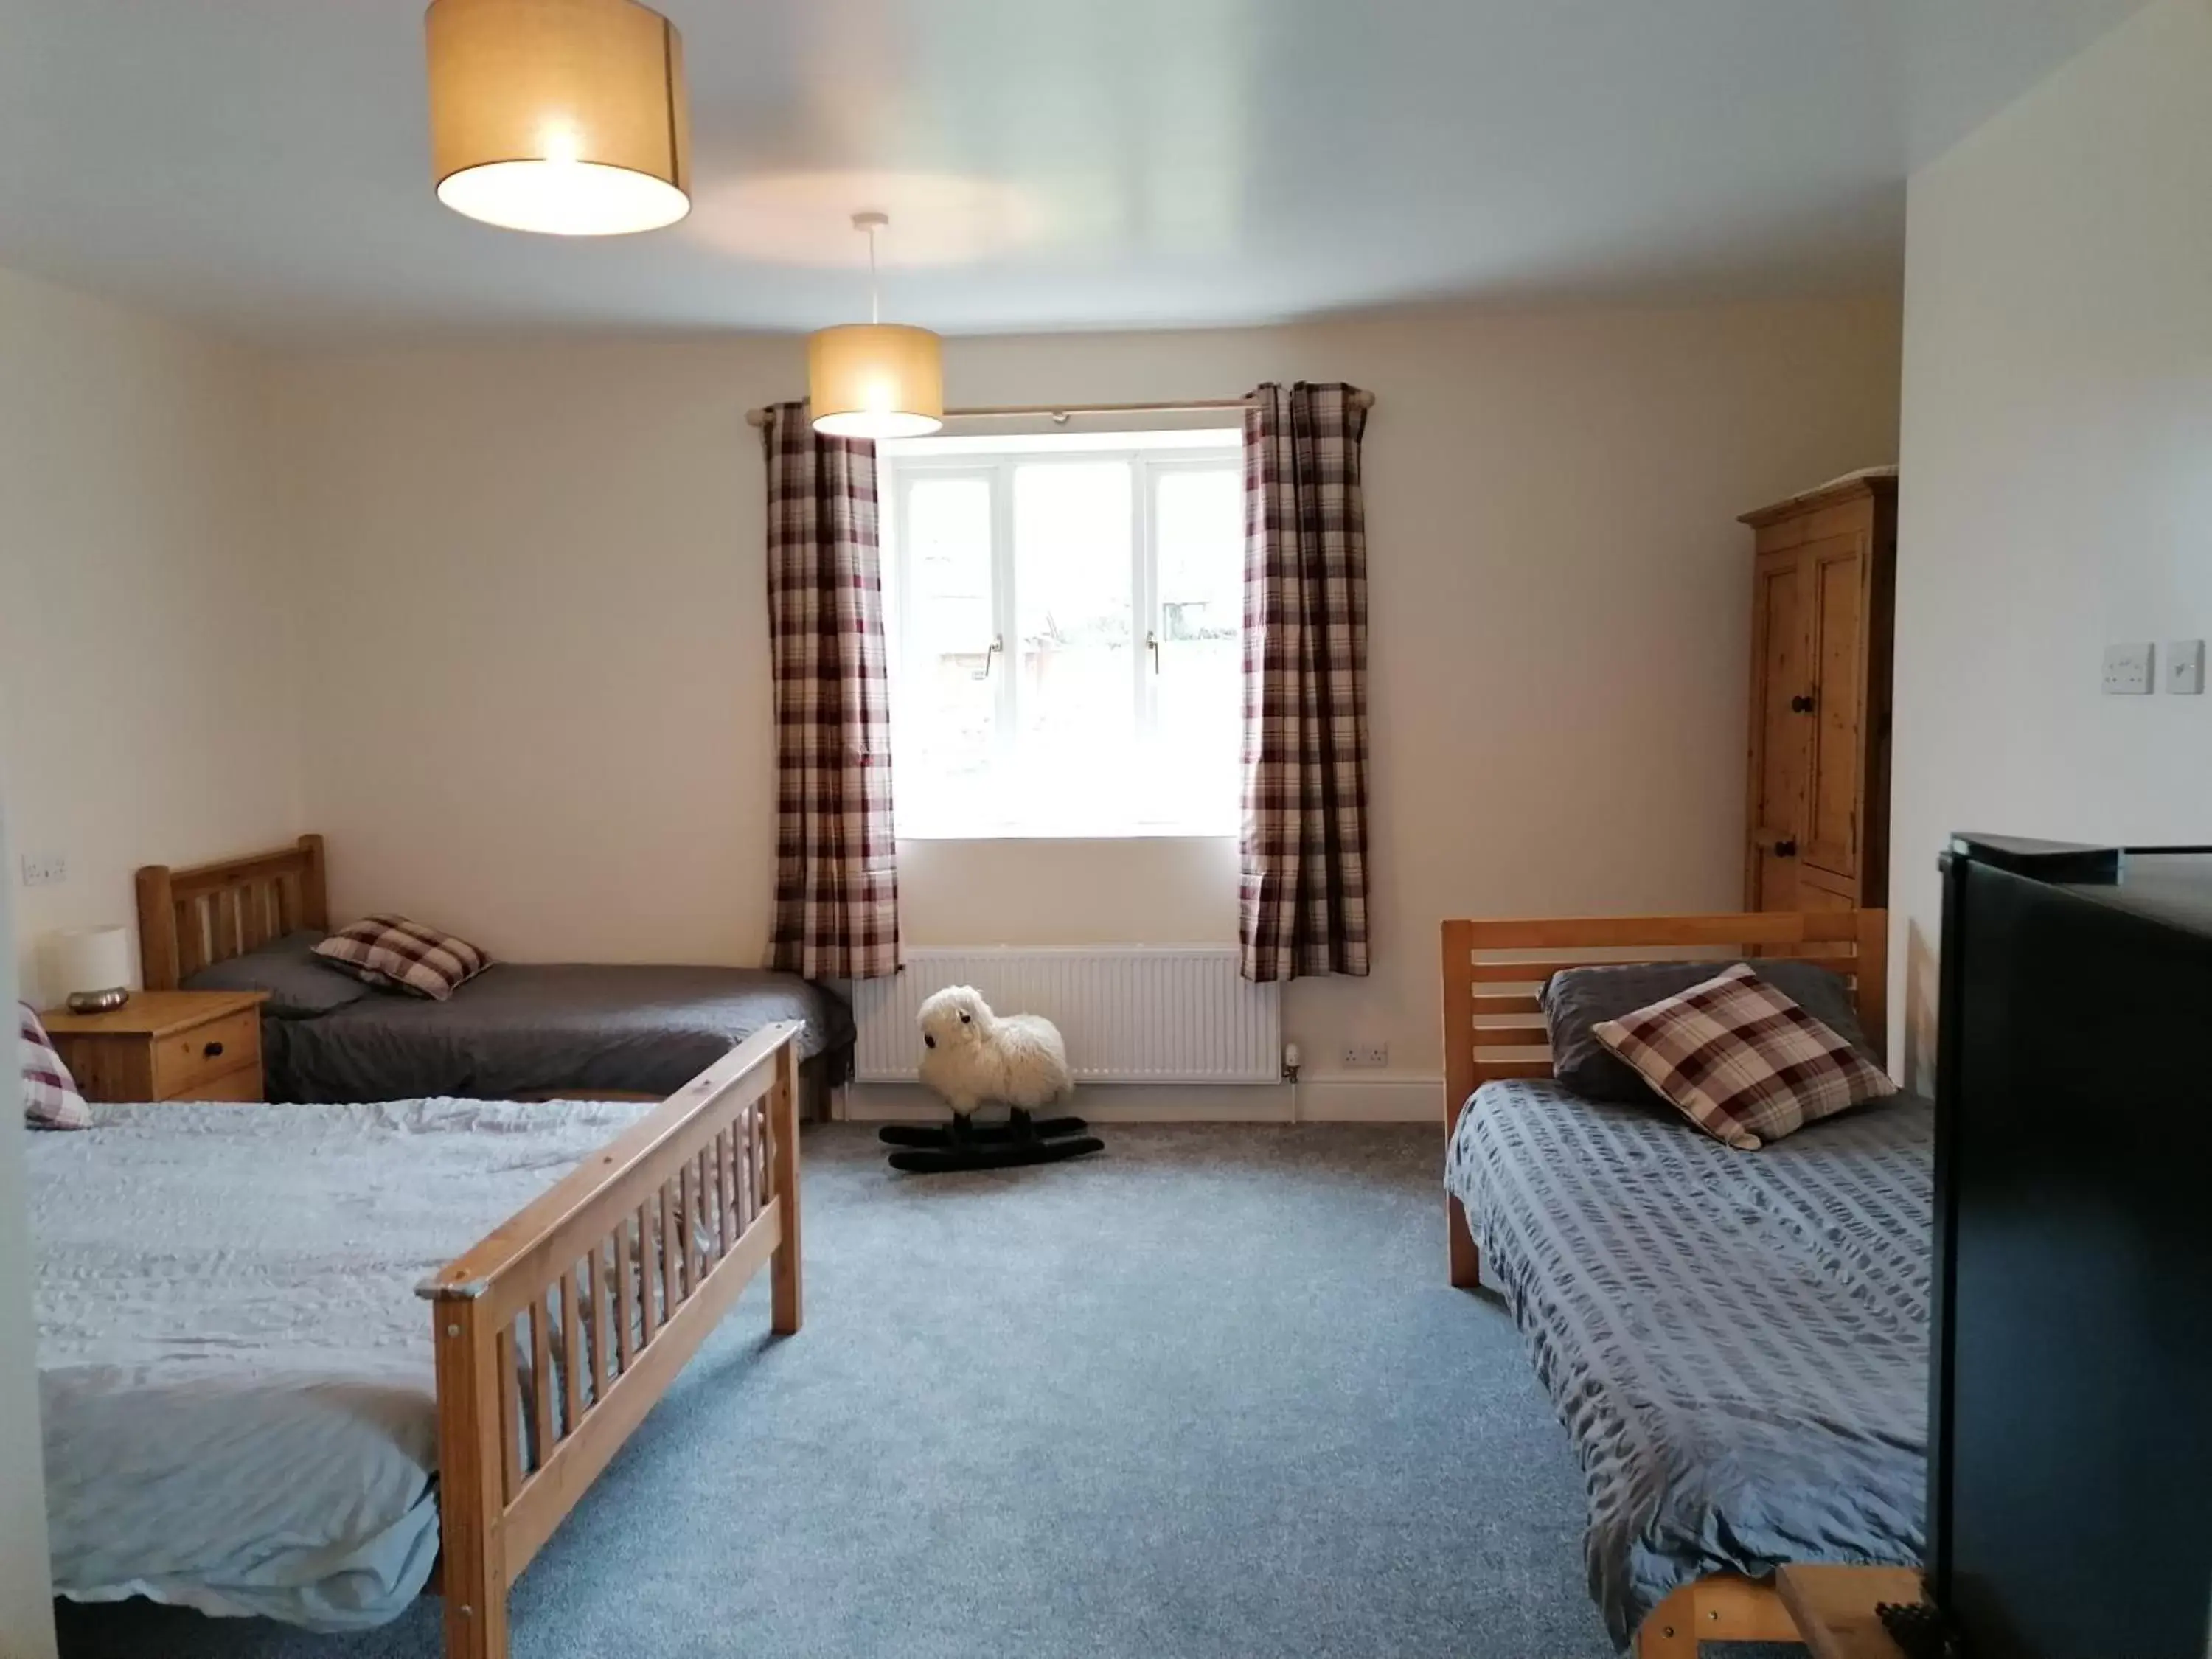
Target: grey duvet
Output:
[(235, 1374), (520, 1029), (1735, 1341)]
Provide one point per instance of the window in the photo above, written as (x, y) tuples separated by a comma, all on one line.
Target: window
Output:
[(1066, 616)]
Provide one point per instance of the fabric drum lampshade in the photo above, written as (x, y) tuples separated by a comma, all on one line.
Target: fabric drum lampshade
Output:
[(875, 380), (92, 967), (564, 116)]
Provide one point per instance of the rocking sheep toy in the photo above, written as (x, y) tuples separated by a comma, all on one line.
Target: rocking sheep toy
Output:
[(972, 1057)]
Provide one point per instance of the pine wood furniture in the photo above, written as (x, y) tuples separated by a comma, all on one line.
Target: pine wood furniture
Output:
[(631, 1260), (1833, 1608), (191, 919), (1493, 1030), (1823, 603), (165, 1045)]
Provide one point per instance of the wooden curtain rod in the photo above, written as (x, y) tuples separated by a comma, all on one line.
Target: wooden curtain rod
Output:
[(1062, 412)]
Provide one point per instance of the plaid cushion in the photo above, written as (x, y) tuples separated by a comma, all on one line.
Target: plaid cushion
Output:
[(1741, 1060), (404, 954), (51, 1100)]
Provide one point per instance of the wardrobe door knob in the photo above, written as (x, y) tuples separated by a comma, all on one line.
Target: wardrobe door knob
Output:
[(1785, 849), (1801, 705)]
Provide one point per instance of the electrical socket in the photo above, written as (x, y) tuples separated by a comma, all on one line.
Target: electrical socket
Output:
[(1366, 1055), (2128, 671), (44, 871)]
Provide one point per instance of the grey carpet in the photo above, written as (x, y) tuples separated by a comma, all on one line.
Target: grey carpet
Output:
[(1205, 1395)]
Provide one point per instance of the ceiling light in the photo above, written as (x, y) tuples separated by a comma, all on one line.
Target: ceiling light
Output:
[(566, 116), (875, 380)]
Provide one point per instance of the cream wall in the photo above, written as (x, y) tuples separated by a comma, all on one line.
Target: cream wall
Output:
[(147, 690), (553, 554), (2057, 470)]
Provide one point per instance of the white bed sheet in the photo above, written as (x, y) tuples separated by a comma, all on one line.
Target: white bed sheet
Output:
[(235, 1372)]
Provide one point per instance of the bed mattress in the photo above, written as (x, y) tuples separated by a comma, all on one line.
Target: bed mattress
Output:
[(235, 1374), (522, 1029), (1737, 1342)]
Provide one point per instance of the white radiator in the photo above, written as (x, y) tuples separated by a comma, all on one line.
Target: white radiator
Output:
[(1130, 1014)]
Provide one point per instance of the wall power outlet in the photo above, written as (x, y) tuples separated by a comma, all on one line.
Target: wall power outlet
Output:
[(1366, 1056), (43, 869), (2128, 671)]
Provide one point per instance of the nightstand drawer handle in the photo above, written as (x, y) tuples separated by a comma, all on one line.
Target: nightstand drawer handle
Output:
[(212, 1050)]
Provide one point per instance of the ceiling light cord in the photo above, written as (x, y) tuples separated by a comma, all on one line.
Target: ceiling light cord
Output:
[(869, 223)]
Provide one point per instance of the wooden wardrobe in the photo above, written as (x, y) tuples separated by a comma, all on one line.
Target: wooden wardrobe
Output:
[(1823, 600)]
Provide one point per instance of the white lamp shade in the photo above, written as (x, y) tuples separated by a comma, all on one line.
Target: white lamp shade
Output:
[(90, 959), (876, 380), (565, 117)]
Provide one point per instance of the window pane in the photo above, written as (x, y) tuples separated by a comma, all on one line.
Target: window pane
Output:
[(1198, 527), (946, 710), (1076, 699)]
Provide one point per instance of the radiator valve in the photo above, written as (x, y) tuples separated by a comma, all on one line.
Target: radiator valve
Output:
[(1290, 1062)]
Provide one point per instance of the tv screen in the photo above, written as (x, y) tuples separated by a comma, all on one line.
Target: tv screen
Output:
[(2070, 1446)]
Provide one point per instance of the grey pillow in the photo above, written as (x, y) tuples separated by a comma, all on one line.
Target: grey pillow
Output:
[(299, 983), (1575, 1001)]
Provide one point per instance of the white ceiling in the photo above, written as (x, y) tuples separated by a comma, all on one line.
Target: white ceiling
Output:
[(262, 164)]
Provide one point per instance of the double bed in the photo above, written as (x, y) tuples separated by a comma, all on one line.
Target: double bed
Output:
[(1736, 1342), (278, 1378), (516, 1031)]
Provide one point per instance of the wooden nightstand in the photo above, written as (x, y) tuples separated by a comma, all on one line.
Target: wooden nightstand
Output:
[(165, 1045)]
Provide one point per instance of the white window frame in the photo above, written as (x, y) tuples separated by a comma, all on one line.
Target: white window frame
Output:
[(903, 468)]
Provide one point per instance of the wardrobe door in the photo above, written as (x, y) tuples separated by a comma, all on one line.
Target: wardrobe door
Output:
[(1836, 588), (1781, 734)]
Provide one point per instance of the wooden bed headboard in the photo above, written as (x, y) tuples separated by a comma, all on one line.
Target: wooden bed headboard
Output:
[(191, 919), (1493, 970)]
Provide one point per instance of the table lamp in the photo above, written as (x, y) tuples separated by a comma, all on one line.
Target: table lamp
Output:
[(92, 967)]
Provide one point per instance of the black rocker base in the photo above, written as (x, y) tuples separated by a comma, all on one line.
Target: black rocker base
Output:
[(1001, 1155), (928, 1149)]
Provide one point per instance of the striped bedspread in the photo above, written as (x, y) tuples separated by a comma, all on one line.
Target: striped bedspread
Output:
[(1735, 1341)]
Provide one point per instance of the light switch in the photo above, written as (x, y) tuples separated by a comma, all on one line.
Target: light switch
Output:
[(2128, 671), (2185, 667)]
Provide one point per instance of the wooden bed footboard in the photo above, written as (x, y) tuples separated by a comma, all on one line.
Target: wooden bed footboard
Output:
[(1493, 970), (556, 1334)]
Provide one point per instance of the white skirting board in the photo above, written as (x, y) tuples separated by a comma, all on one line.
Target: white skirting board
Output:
[(1360, 1098)]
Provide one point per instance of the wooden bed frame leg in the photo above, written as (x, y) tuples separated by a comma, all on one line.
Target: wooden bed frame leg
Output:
[(471, 1501), (787, 1311), (1466, 1259)]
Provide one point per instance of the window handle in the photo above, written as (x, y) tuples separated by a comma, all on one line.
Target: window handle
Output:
[(997, 644), (1152, 645)]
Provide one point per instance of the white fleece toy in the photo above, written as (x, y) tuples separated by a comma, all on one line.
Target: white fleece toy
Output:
[(973, 1057)]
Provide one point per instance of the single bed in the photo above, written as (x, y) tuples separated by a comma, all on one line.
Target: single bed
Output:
[(516, 1031), (247, 1408), (1736, 1342)]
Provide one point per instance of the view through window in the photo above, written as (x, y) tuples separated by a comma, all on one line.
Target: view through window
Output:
[(1065, 615)]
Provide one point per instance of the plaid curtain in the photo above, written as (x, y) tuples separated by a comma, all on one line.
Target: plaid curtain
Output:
[(1303, 899), (836, 875)]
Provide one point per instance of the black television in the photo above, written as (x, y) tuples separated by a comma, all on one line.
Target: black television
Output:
[(2071, 1432)]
